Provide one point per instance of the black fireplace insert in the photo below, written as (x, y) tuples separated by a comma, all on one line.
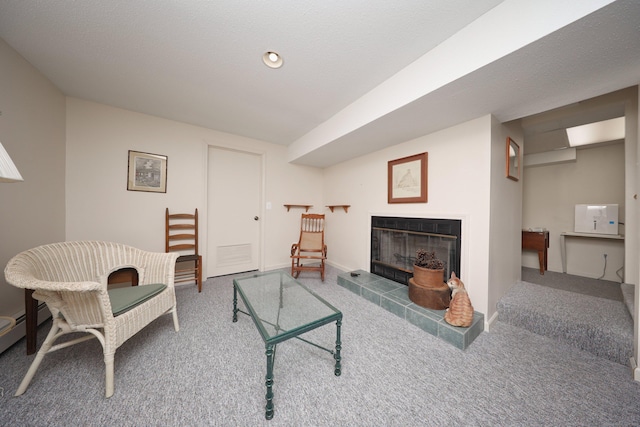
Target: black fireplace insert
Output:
[(394, 242)]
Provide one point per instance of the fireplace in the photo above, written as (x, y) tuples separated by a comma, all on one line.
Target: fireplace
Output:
[(394, 242)]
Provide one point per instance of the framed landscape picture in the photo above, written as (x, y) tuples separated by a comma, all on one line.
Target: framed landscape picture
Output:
[(147, 172), (407, 179)]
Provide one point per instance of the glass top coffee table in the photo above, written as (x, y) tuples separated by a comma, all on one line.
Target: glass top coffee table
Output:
[(283, 308)]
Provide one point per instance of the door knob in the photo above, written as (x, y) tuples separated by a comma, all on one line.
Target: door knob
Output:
[(255, 218)]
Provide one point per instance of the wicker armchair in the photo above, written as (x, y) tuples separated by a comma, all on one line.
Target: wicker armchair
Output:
[(71, 277)]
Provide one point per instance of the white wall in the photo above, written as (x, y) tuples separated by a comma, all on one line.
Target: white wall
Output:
[(631, 153), (32, 131), (100, 207), (506, 217), (632, 242), (459, 169), (550, 194)]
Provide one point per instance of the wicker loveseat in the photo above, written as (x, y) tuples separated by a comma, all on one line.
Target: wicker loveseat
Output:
[(71, 277)]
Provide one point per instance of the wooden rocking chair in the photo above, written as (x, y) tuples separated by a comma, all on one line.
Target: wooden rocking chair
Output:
[(310, 246)]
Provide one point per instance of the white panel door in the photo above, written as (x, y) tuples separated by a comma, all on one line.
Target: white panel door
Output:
[(234, 190)]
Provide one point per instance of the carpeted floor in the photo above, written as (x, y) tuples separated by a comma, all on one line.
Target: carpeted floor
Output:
[(393, 374), (578, 284), (599, 325)]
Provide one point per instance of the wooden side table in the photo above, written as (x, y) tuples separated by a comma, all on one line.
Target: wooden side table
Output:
[(537, 241)]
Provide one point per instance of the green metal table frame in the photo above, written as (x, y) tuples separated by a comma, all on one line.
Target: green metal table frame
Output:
[(279, 333)]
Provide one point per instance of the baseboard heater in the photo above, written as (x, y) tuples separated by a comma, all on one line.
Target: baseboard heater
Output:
[(20, 330)]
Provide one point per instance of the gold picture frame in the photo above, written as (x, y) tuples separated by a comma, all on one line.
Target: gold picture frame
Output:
[(147, 172), (407, 179)]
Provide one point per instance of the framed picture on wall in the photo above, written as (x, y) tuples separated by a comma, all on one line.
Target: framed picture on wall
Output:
[(513, 160), (147, 172), (407, 179)]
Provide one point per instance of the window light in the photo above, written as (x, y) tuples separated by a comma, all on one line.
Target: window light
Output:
[(8, 170), (592, 133)]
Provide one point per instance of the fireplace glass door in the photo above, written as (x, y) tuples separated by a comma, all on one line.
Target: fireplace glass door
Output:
[(394, 242)]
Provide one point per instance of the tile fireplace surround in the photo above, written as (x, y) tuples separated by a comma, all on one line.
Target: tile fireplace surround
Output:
[(394, 297)]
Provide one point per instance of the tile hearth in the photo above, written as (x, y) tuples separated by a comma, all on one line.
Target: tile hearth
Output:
[(394, 297)]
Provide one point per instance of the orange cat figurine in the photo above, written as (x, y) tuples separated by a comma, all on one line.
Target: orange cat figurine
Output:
[(460, 311)]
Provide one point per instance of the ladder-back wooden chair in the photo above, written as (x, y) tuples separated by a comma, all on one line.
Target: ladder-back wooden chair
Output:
[(310, 247), (181, 235)]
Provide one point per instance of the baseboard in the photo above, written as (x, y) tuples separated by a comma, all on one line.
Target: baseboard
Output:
[(186, 283), (634, 369), (339, 266), (288, 266), (489, 323), (20, 330), (276, 266)]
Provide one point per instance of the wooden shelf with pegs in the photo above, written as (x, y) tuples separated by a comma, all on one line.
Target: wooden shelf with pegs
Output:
[(306, 207), (345, 207)]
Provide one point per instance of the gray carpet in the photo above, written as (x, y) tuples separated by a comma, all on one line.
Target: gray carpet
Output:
[(592, 314), (579, 284), (598, 325), (628, 296), (393, 374)]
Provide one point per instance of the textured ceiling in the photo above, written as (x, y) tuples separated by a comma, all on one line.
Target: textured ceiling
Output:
[(200, 62)]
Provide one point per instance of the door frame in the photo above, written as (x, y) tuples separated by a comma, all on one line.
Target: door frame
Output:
[(204, 222)]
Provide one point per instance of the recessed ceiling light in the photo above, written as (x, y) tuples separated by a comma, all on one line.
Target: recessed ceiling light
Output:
[(272, 59)]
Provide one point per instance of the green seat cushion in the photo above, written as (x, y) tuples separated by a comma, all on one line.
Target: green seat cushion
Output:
[(124, 299)]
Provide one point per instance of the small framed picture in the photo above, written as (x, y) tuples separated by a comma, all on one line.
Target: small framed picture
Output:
[(513, 160), (407, 179), (147, 172)]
